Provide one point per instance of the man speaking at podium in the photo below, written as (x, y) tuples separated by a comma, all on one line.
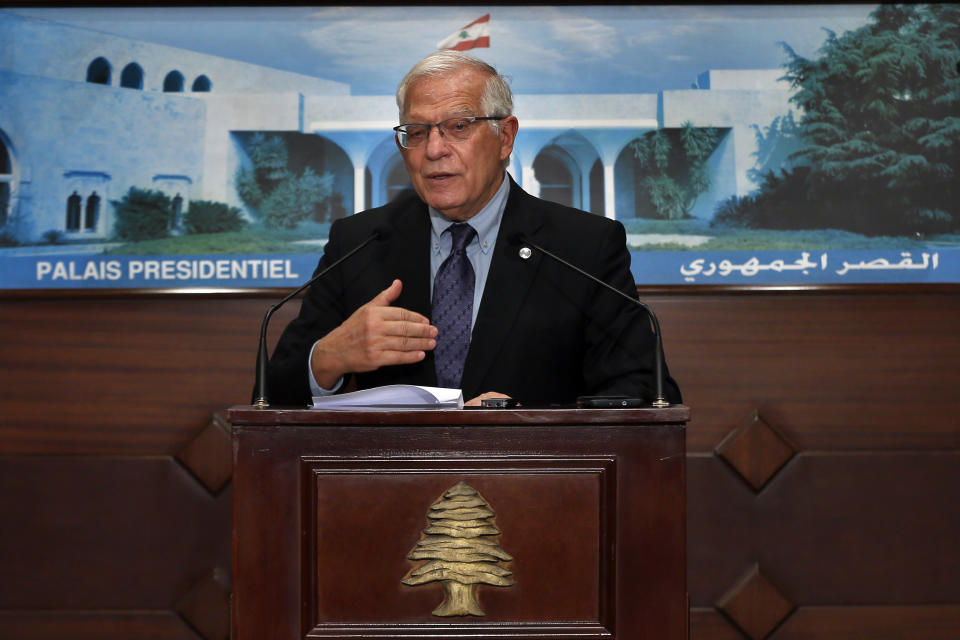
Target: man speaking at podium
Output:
[(443, 297)]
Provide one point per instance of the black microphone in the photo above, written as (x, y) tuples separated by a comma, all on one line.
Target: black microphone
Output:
[(660, 401), (261, 400)]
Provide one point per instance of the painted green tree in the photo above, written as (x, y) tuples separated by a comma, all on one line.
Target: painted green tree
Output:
[(283, 197), (881, 121), (142, 214), (671, 169)]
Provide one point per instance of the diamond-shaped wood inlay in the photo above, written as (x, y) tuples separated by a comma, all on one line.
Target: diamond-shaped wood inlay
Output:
[(755, 605), (209, 456), (206, 606), (756, 450)]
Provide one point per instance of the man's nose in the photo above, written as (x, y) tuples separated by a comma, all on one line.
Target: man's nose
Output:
[(436, 142)]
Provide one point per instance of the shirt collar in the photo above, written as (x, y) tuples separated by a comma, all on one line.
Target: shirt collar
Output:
[(486, 222)]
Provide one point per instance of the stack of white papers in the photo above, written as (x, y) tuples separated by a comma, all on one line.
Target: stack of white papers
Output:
[(393, 396)]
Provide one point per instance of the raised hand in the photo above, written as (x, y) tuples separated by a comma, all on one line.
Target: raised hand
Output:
[(376, 335)]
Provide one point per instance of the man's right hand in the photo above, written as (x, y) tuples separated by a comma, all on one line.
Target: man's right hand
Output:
[(376, 335)]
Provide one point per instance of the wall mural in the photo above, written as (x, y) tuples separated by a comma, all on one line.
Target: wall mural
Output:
[(212, 147)]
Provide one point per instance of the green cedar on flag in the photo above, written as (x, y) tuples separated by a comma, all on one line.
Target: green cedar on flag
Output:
[(475, 34)]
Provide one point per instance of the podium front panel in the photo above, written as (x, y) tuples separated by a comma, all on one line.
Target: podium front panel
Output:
[(459, 524)]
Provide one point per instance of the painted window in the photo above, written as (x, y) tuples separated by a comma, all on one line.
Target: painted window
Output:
[(98, 72), (89, 192), (202, 83), (173, 83), (398, 180), (6, 178), (73, 211), (92, 212), (177, 188), (553, 171), (132, 76), (176, 210)]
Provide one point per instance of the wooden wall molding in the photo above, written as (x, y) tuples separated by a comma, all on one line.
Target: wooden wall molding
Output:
[(756, 450), (209, 456), (755, 605)]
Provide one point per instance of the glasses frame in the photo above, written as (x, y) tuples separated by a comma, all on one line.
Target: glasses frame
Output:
[(399, 129)]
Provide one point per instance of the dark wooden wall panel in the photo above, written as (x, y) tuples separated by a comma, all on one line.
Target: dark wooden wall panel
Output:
[(122, 375), (95, 625), (935, 622), (834, 371), (830, 529), (117, 533), (823, 461)]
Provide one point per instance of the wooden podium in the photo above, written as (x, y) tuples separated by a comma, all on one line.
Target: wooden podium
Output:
[(566, 523)]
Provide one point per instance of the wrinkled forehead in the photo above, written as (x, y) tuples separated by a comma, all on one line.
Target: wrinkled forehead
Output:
[(450, 94)]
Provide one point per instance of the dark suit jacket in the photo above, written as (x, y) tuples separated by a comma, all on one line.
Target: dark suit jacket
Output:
[(542, 334)]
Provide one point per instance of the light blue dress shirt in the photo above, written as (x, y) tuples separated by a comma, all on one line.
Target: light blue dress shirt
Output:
[(480, 250), (480, 253)]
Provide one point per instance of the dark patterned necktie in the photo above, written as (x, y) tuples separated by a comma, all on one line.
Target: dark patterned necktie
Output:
[(453, 308)]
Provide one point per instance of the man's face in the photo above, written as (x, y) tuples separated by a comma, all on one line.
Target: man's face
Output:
[(455, 178)]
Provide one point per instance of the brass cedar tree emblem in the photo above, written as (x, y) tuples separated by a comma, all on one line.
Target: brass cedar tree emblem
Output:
[(460, 552)]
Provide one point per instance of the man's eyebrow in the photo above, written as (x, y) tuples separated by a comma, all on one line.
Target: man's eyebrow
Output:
[(462, 112), (466, 111)]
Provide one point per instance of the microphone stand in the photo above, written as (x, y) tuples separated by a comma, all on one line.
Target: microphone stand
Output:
[(660, 401), (261, 399)]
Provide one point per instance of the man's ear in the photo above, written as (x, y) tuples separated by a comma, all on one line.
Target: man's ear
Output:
[(508, 134)]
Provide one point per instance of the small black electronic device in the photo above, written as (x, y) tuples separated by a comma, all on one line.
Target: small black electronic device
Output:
[(609, 402), (498, 403)]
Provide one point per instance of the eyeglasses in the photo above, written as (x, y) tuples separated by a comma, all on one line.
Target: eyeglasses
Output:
[(458, 129)]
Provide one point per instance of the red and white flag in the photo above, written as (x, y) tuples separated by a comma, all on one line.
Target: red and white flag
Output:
[(475, 34)]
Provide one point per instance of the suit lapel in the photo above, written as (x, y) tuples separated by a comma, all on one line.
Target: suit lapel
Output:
[(408, 258), (506, 288)]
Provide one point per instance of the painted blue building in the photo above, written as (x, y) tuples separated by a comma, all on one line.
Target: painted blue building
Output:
[(86, 115)]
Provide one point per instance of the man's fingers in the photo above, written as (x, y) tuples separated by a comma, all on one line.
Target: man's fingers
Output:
[(382, 303), (405, 343), (386, 297), (378, 334), (409, 329), (411, 316), (388, 358), (476, 402), (399, 314)]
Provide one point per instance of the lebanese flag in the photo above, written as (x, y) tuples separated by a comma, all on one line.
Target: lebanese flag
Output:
[(475, 34)]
